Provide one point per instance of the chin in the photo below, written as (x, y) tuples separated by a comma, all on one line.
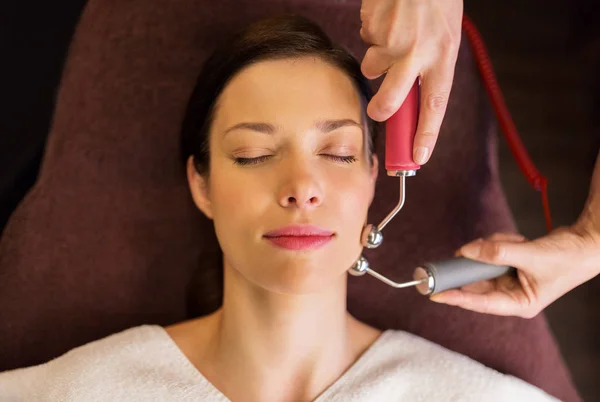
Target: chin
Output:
[(302, 278)]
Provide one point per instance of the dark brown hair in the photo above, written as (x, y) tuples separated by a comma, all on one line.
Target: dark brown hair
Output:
[(283, 37)]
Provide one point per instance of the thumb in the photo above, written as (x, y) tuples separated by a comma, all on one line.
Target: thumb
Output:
[(518, 254)]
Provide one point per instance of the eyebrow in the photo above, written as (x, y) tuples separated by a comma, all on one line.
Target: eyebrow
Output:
[(324, 126)]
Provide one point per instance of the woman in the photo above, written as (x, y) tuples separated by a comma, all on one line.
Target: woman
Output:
[(278, 151)]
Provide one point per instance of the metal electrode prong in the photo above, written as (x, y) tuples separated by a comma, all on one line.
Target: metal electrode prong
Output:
[(361, 267), (372, 236)]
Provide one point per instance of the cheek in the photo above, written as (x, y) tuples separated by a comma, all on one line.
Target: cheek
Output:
[(350, 203), (226, 198), (237, 204), (352, 195)]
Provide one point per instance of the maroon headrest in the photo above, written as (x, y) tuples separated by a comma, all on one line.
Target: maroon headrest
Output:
[(109, 238)]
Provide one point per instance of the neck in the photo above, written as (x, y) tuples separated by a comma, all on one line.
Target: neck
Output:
[(273, 346)]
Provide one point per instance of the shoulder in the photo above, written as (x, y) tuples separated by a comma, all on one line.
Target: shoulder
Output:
[(446, 374), (96, 362)]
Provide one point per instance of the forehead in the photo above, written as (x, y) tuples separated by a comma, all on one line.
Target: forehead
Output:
[(279, 90)]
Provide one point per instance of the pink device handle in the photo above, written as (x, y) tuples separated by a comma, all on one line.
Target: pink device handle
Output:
[(400, 133)]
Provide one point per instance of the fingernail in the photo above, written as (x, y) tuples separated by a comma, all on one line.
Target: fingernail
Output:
[(420, 155), (472, 250)]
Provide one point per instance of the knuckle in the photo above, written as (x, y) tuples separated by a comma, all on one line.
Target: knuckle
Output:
[(436, 102), (519, 237), (493, 251), (363, 33), (391, 39), (366, 32), (387, 107), (367, 69), (367, 24), (449, 43), (427, 136), (373, 64), (367, 65)]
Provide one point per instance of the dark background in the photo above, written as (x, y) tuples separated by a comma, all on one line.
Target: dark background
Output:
[(546, 54)]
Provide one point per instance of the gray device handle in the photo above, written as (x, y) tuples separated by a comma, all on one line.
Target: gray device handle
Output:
[(456, 272)]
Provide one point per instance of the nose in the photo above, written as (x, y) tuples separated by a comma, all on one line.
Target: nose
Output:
[(301, 188)]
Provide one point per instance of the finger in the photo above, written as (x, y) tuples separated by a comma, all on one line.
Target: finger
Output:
[(435, 91), (376, 62), (480, 287), (393, 91), (510, 237), (373, 14), (497, 303), (519, 254), (471, 244), (366, 35)]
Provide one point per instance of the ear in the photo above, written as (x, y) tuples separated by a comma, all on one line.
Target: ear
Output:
[(374, 173), (374, 168), (199, 188)]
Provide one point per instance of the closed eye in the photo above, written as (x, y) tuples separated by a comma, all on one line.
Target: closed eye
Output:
[(344, 159), (251, 161), (264, 158)]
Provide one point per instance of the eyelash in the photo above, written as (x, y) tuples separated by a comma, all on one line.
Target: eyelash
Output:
[(251, 161), (345, 159), (259, 159)]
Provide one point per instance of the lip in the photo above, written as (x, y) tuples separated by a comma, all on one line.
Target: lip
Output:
[(299, 230), (299, 237)]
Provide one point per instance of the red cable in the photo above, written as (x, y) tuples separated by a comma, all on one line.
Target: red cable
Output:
[(537, 181)]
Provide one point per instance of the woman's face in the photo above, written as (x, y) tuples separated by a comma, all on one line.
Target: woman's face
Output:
[(288, 151)]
